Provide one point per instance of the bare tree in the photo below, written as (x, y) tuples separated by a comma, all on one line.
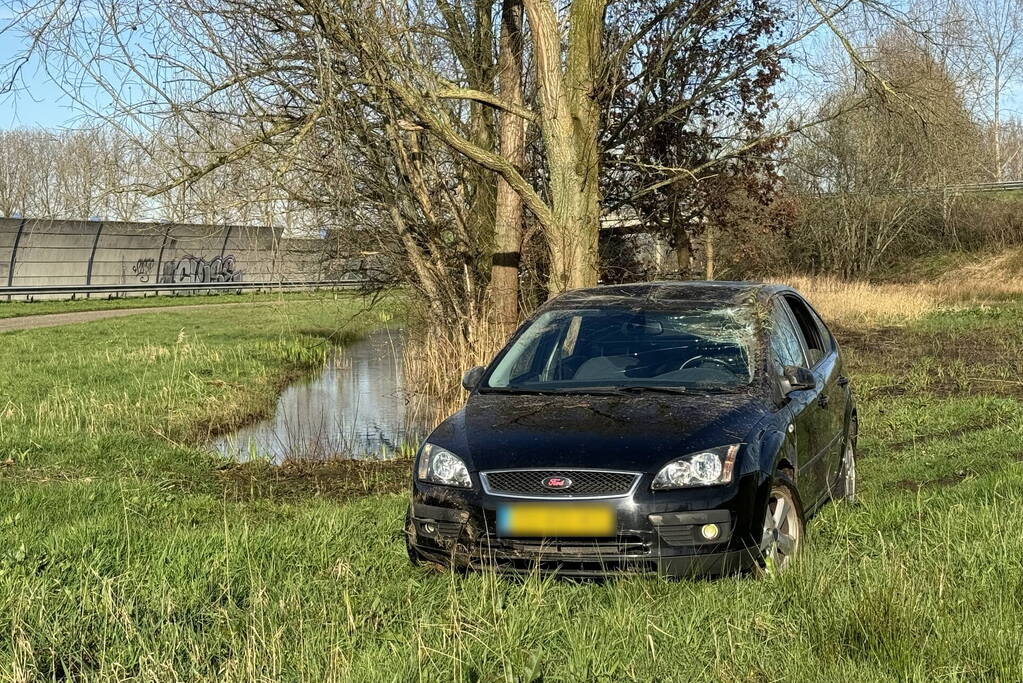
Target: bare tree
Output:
[(74, 174), (18, 160), (994, 34), (871, 177)]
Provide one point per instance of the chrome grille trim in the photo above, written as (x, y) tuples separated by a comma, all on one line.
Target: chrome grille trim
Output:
[(636, 478)]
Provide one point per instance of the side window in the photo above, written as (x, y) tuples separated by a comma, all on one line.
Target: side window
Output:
[(815, 348), (786, 346)]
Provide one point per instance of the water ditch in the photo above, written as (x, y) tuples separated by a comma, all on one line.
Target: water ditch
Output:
[(355, 407)]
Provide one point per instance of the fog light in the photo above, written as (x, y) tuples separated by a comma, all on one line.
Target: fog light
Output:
[(429, 527), (710, 531)]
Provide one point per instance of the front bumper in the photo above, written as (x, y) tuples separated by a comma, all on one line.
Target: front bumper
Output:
[(657, 532)]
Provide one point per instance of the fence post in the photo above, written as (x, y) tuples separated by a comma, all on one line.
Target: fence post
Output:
[(159, 259), (92, 256), (227, 236), (14, 252)]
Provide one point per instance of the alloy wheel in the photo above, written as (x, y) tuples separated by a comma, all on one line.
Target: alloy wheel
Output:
[(849, 473), (783, 530)]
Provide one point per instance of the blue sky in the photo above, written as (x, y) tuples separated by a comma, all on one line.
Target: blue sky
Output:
[(37, 102)]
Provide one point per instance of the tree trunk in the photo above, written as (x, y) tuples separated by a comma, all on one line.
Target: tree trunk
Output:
[(573, 236), (998, 123), (569, 117), (504, 272)]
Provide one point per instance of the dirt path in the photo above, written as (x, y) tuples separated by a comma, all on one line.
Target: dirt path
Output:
[(31, 322)]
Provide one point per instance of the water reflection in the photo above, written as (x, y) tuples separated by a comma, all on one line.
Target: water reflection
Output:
[(355, 407)]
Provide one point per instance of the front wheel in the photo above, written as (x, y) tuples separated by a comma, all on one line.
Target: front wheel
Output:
[(784, 528)]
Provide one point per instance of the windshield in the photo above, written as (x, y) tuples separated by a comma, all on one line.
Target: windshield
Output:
[(566, 350)]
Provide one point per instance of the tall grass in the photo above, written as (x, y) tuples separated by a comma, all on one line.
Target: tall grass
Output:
[(989, 281), (123, 557)]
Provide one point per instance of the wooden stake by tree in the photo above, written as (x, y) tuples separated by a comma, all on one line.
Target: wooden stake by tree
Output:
[(509, 212)]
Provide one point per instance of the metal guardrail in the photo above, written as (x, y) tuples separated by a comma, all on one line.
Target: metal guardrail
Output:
[(986, 187), (1005, 186), (176, 287)]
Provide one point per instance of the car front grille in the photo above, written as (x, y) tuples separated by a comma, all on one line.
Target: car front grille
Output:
[(572, 546), (584, 483)]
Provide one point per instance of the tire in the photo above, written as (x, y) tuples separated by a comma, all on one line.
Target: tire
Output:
[(783, 529)]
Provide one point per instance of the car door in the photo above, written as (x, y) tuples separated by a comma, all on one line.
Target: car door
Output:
[(787, 349), (822, 356), (836, 385)]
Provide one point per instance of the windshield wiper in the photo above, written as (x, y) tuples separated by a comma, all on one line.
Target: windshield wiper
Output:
[(610, 391), (600, 390), (652, 390), (514, 390)]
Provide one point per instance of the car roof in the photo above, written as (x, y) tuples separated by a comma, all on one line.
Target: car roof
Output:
[(670, 293)]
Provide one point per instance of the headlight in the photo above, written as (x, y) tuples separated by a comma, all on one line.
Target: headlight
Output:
[(707, 468), (439, 466)]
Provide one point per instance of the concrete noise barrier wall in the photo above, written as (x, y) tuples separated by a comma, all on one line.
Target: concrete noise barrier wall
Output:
[(59, 252)]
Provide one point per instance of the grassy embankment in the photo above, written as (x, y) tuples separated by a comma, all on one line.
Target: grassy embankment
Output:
[(126, 551)]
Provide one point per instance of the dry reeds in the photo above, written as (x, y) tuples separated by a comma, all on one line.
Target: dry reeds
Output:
[(436, 356), (861, 302), (985, 282)]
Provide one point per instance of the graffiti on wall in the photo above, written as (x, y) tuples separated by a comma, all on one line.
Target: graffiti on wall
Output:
[(143, 268), (195, 269)]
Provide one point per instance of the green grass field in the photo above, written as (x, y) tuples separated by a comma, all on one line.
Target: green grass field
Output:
[(128, 551), (17, 309)]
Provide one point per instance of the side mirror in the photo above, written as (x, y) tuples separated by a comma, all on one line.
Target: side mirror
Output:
[(472, 377), (796, 378)]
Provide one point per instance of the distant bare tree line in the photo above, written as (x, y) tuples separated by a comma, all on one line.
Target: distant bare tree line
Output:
[(103, 174), (74, 174)]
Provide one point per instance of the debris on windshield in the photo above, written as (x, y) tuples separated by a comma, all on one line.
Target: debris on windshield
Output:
[(586, 349)]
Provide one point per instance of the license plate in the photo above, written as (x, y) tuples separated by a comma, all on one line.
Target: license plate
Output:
[(548, 520)]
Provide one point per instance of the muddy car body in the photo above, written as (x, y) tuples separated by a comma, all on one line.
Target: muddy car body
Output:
[(686, 428)]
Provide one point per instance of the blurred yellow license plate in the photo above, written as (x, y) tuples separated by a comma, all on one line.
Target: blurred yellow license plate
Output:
[(547, 520)]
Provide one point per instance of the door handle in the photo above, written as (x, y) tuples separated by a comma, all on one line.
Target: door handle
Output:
[(823, 401), (843, 380)]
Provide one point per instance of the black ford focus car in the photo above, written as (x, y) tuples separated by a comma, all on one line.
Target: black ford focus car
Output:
[(686, 428)]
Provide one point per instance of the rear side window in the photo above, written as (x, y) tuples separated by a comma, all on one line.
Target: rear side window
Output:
[(826, 338), (786, 345), (809, 330)]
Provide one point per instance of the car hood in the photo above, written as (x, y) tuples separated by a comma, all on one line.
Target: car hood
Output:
[(637, 433)]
